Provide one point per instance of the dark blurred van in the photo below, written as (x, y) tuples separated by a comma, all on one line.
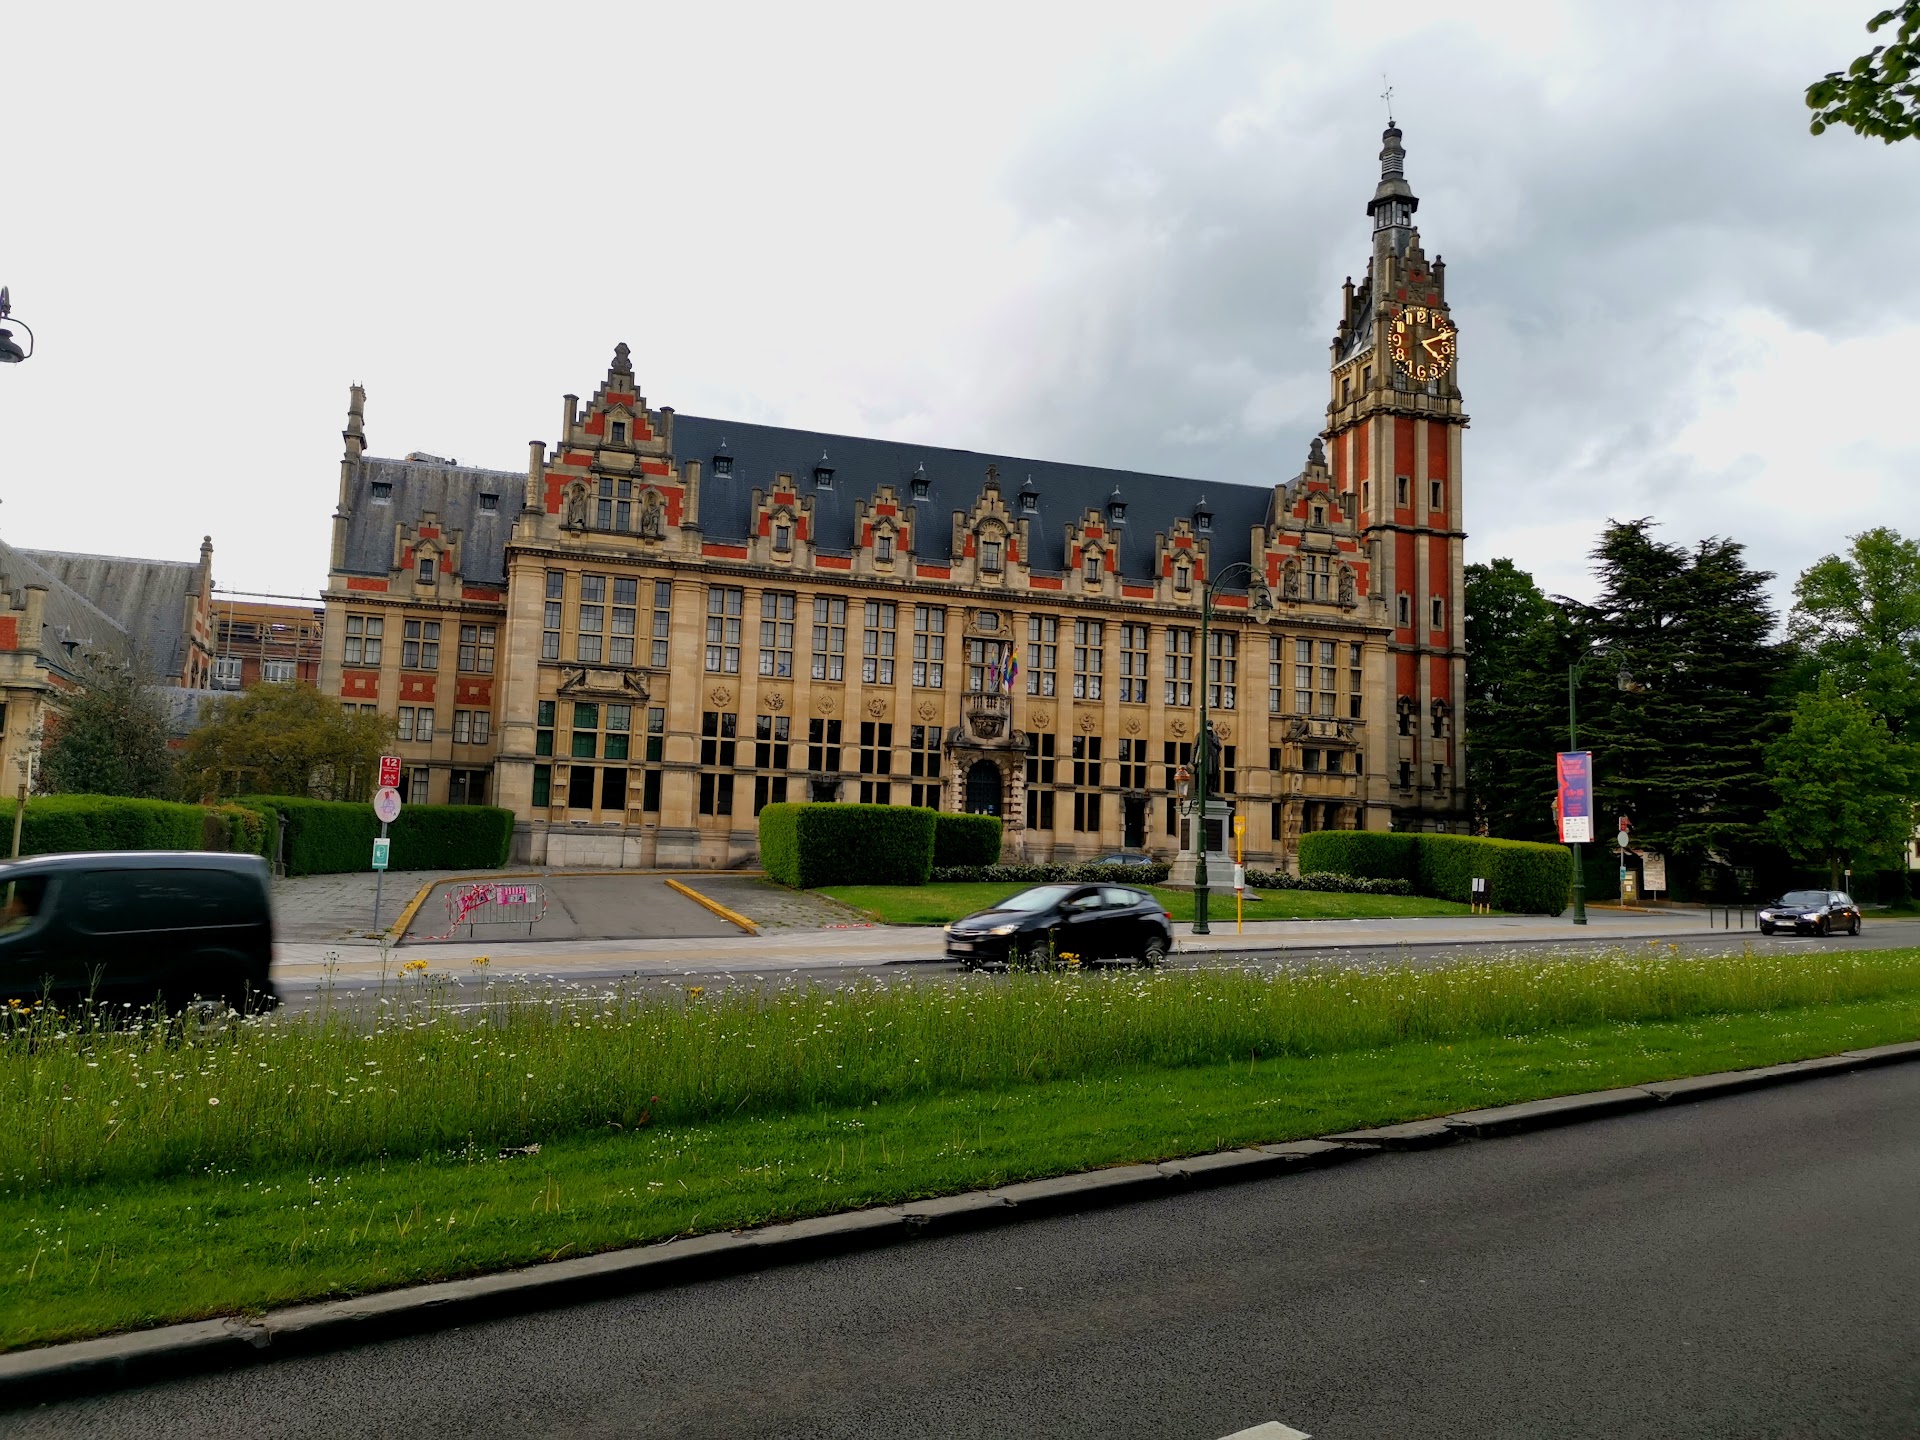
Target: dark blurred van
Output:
[(140, 926)]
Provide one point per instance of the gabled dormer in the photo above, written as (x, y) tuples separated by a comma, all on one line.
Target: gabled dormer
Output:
[(1310, 549), (1093, 556), (782, 525), (989, 541), (426, 559), (883, 536), (1181, 560)]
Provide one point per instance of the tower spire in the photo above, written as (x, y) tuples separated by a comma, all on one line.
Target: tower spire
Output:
[(1393, 200)]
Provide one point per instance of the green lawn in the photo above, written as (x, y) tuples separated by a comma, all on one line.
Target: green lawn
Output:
[(86, 1260), (936, 904)]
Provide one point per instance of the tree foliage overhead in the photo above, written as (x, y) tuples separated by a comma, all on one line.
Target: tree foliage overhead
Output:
[(1846, 784), (1856, 617), (286, 740), (108, 738), (1877, 94)]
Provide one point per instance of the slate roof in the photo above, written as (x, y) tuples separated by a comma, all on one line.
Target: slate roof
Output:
[(147, 600), (451, 492), (955, 479), (67, 614)]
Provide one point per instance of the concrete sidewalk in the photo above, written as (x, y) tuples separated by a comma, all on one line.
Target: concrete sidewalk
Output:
[(877, 945)]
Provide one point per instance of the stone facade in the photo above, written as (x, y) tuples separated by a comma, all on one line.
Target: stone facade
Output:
[(669, 621)]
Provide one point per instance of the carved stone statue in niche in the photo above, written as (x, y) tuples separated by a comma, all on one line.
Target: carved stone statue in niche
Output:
[(577, 508), (652, 518), (1290, 580), (1349, 595)]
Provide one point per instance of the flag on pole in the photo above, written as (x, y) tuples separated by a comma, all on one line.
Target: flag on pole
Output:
[(1013, 673)]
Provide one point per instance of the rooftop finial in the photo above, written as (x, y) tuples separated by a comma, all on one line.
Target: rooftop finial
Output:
[(1387, 95), (621, 364)]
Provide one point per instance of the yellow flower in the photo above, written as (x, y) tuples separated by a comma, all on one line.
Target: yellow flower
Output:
[(481, 960), (414, 965), (694, 992)]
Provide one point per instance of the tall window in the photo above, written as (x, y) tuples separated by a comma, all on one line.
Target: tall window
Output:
[(1223, 648), (1086, 783), (420, 645), (1088, 658), (543, 735), (1179, 668), (990, 556), (984, 659), (718, 738), (923, 759), (422, 725), (426, 569), (929, 647), (1303, 677), (876, 647), (1276, 674), (823, 746), (1133, 664), (1328, 675), (829, 638), (656, 748), (1353, 682), (1040, 780), (662, 621), (1436, 613), (883, 548), (550, 615), (624, 620), (1043, 631), (771, 749), (723, 635), (776, 634), (876, 762), (1133, 764), (470, 727), (476, 649), (1317, 582), (589, 643), (1093, 568), (1183, 578), (1223, 782), (586, 731)]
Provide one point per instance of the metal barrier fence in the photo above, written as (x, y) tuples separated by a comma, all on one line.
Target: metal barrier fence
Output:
[(494, 902), (1726, 914)]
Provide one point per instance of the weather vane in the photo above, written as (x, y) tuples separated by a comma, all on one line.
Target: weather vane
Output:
[(1387, 95)]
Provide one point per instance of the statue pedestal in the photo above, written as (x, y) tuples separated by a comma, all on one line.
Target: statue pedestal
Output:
[(1218, 829)]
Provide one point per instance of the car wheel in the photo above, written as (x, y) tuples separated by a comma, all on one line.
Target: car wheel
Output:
[(1038, 953), (1854, 929), (1154, 954), (1825, 927), (1766, 929)]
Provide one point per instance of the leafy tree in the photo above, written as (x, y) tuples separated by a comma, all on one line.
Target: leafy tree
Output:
[(286, 740), (1679, 703), (1878, 94), (1857, 618), (1518, 646), (108, 738), (1846, 785)]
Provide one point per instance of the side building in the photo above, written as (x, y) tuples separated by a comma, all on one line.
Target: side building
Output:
[(667, 622)]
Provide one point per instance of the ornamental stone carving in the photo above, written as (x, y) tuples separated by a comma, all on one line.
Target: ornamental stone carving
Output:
[(774, 700), (876, 707), (1132, 727), (1088, 724), (929, 711), (1178, 727), (827, 702), (721, 697), (1041, 719)]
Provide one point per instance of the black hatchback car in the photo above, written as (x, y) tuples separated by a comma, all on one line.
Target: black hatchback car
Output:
[(1810, 912), (1044, 925), (140, 926)]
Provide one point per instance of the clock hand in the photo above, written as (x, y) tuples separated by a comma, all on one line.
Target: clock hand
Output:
[(1444, 338)]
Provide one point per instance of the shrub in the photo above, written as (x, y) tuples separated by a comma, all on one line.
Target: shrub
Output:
[(235, 828), (62, 824), (1327, 883), (1053, 874), (965, 840), (808, 845), (1366, 854), (330, 837), (1521, 876)]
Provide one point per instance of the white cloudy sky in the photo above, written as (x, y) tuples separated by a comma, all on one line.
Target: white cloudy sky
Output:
[(1109, 233)]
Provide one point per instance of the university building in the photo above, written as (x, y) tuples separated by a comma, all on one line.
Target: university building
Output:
[(666, 622)]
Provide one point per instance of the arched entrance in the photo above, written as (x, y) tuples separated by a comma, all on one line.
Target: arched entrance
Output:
[(983, 788)]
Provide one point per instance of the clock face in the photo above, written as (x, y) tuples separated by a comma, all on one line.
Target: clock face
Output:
[(1422, 342)]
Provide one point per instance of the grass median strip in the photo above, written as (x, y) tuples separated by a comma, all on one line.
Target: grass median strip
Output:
[(939, 903), (325, 1185)]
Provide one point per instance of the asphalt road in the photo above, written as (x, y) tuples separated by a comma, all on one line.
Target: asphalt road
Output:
[(306, 995), (1743, 1267)]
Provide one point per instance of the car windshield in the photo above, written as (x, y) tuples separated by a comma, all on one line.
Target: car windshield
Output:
[(1041, 897), (1804, 897)]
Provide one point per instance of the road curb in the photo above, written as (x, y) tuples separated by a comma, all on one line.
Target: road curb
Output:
[(730, 916), (119, 1361)]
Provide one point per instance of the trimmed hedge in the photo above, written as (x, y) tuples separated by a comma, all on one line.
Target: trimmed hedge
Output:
[(1522, 877), (1054, 874), (62, 824), (330, 837), (965, 840), (1327, 883), (813, 844)]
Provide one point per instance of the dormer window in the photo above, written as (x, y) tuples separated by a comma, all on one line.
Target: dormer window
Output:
[(1029, 498), (489, 503), (1319, 513), (1116, 509), (426, 569), (990, 556), (382, 491), (722, 466), (920, 482), (823, 473), (1183, 579), (1093, 567), (619, 432), (783, 539), (1202, 518), (883, 548)]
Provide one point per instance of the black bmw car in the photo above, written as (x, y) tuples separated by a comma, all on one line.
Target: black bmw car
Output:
[(1810, 912), (1044, 925)]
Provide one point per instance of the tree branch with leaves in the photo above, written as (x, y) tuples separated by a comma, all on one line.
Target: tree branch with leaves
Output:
[(1877, 94)]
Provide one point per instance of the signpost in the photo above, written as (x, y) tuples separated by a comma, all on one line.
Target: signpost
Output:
[(1574, 807), (386, 806), (1239, 874)]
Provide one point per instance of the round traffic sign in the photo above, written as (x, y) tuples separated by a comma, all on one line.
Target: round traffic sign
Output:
[(386, 804)]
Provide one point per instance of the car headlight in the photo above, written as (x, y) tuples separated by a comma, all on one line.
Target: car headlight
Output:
[(1003, 929)]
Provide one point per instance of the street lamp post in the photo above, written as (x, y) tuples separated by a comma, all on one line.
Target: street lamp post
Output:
[(1203, 743)]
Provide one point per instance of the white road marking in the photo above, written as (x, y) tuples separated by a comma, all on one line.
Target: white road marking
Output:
[(1269, 1430)]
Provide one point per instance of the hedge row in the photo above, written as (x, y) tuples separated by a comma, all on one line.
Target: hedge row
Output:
[(1054, 874), (1327, 883), (965, 840), (326, 837), (1522, 877), (60, 824), (808, 845)]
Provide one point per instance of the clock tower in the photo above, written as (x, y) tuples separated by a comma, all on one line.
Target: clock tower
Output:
[(1393, 433)]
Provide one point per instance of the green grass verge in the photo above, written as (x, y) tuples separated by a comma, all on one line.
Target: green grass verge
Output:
[(90, 1259), (937, 904)]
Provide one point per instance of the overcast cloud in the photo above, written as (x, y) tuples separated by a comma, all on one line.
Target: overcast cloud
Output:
[(1100, 233)]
